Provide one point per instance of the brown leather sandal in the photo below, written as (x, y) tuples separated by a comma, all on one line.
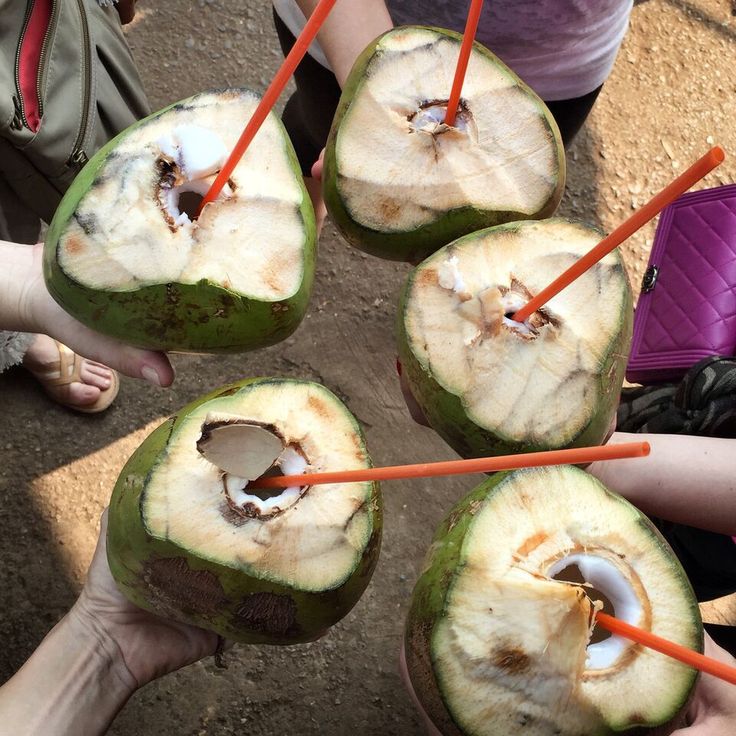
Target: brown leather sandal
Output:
[(67, 370)]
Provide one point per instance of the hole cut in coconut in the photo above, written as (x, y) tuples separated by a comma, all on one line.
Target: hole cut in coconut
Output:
[(513, 298), (430, 118), (239, 447), (611, 587), (264, 503), (572, 574), (190, 158), (492, 307), (246, 451), (189, 202)]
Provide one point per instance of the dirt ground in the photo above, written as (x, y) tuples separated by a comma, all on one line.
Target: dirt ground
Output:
[(671, 95)]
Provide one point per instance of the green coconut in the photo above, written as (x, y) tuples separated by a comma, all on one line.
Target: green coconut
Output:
[(127, 255), (492, 386), (399, 183), (189, 537), (501, 637)]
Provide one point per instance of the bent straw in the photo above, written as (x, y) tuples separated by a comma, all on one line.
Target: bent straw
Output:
[(471, 26), (574, 456), (671, 649), (679, 186), (302, 43)]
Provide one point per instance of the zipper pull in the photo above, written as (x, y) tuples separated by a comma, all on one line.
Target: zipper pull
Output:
[(78, 158), (17, 122)]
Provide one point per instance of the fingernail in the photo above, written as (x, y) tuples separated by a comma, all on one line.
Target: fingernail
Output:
[(150, 375)]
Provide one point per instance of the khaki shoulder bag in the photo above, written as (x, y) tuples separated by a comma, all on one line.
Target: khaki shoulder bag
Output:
[(68, 83)]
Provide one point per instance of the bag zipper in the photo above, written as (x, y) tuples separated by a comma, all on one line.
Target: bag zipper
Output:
[(78, 157), (44, 53), (28, 112)]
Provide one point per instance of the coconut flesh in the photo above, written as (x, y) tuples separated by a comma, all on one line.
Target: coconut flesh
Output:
[(400, 167), (136, 226), (539, 382), (512, 652), (198, 496)]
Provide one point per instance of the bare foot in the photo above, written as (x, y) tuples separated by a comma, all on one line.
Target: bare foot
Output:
[(43, 360)]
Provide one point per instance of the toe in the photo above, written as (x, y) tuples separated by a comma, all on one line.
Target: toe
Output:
[(95, 374), (83, 394)]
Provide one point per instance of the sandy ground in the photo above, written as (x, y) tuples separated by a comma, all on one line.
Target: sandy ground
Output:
[(671, 95)]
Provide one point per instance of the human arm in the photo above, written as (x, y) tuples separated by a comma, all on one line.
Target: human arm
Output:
[(685, 479), (349, 28), (93, 660), (27, 306)]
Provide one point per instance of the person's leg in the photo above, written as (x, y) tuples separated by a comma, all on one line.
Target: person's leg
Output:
[(571, 114)]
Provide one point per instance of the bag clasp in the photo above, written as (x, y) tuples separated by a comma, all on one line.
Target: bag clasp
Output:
[(650, 279)]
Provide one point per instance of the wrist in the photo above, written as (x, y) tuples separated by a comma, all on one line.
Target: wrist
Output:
[(72, 684), (22, 285), (86, 627)]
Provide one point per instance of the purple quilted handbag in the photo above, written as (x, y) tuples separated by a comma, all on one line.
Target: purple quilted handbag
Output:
[(687, 307)]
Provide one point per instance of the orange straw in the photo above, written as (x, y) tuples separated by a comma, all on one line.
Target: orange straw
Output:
[(574, 456), (676, 651), (316, 19), (655, 205), (471, 26)]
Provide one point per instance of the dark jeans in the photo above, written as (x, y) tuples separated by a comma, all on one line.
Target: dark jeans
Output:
[(309, 111)]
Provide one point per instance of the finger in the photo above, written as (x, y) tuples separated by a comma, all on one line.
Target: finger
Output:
[(404, 671), (151, 366), (318, 165), (52, 320)]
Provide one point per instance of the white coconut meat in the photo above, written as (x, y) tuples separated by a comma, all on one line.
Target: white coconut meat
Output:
[(400, 167), (134, 227), (527, 381), (311, 538), (510, 653)]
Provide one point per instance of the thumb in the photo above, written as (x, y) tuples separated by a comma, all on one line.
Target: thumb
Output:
[(149, 365)]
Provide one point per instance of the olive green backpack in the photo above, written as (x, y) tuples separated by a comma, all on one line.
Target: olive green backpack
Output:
[(68, 83)]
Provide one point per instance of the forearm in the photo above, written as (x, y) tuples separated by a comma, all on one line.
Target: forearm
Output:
[(71, 685), (686, 479), (349, 28), (20, 271)]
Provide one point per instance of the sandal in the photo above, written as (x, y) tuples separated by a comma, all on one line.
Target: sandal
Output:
[(67, 370)]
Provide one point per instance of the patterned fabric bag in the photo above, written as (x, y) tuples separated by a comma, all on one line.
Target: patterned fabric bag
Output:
[(687, 306)]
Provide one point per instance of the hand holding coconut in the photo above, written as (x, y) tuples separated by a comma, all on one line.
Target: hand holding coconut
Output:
[(501, 636), (94, 659), (711, 712), (192, 538), (491, 385), (400, 183), (129, 253), (27, 306)]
